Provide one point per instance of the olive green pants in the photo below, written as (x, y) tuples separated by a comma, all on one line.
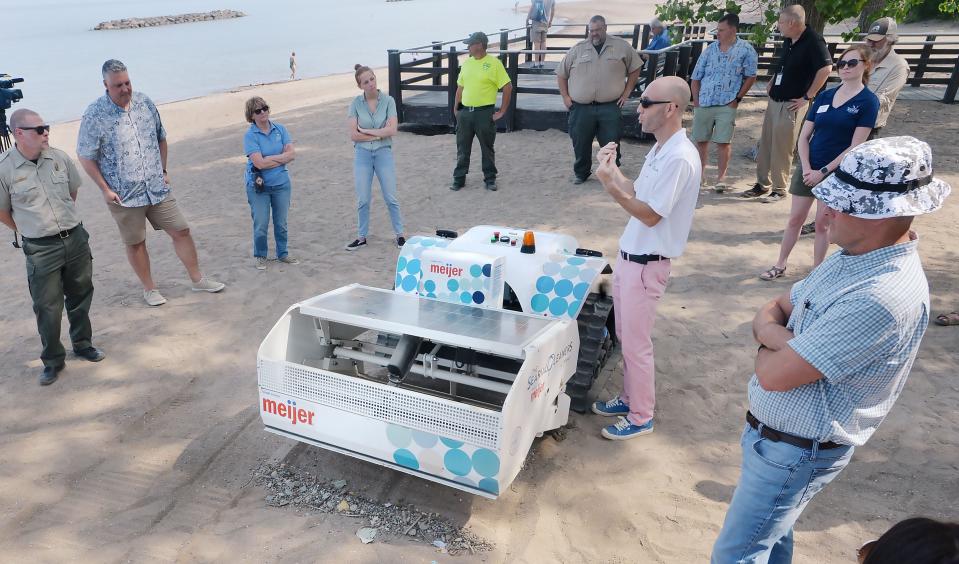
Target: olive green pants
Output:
[(479, 124), (60, 271)]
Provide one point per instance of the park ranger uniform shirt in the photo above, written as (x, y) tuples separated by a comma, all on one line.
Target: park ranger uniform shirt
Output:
[(598, 77), (39, 196)]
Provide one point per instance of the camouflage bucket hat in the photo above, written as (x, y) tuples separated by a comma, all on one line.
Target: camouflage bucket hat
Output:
[(888, 177)]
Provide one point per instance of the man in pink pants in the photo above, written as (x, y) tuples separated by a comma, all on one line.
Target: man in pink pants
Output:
[(660, 204)]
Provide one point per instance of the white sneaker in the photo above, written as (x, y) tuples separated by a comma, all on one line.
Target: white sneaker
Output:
[(259, 263), (207, 285), (153, 297), (289, 260)]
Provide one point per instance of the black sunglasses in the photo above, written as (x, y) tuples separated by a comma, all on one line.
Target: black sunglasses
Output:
[(646, 102), (259, 111), (40, 129), (852, 63)]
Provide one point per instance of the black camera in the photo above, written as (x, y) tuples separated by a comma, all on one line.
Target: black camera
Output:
[(8, 94)]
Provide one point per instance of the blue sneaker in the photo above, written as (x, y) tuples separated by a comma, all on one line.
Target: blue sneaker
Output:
[(610, 408), (623, 430)]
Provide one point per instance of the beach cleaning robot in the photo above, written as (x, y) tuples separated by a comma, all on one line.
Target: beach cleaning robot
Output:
[(486, 341)]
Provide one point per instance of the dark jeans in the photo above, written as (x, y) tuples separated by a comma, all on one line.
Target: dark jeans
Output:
[(588, 121), (479, 123), (58, 271)]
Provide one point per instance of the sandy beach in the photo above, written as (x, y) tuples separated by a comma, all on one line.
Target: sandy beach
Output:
[(147, 456)]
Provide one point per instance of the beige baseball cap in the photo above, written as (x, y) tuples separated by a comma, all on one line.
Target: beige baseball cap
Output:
[(881, 29)]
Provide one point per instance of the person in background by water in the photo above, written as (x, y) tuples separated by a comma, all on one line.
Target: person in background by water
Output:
[(372, 123), (122, 147), (293, 65), (839, 119), (919, 540), (540, 18), (268, 149)]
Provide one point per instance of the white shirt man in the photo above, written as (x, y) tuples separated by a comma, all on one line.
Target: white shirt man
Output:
[(661, 203)]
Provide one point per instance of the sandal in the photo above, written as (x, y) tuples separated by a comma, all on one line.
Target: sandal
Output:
[(946, 319), (720, 187), (773, 273)]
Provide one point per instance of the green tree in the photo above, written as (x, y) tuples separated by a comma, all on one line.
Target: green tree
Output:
[(819, 13)]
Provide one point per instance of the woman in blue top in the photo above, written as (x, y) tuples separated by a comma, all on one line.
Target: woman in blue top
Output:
[(268, 149), (372, 122), (839, 119)]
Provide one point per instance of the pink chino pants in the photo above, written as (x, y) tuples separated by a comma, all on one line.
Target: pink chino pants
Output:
[(636, 292)]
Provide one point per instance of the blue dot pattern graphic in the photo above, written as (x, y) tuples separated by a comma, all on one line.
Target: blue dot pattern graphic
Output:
[(457, 462), (485, 462), (409, 266), (406, 458), (564, 284), (444, 457)]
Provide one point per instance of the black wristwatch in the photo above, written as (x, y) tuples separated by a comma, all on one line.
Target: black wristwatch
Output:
[(806, 98), (739, 99), (824, 170)]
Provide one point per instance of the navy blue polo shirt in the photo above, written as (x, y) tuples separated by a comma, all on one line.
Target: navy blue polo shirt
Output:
[(834, 127), (267, 144)]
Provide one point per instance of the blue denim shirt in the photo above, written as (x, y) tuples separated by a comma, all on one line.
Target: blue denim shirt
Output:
[(126, 147), (721, 75), (660, 41), (857, 319), (267, 144)]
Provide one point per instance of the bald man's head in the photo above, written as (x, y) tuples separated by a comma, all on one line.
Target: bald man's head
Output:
[(670, 88), (20, 118)]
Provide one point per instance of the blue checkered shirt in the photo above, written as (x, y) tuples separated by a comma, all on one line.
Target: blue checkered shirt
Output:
[(858, 320), (126, 146)]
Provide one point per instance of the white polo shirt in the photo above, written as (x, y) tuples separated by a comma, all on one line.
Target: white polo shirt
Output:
[(668, 183)]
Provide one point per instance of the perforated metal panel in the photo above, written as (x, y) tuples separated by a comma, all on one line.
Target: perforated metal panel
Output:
[(390, 404)]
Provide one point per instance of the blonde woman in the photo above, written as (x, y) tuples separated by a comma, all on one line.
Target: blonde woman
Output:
[(372, 125)]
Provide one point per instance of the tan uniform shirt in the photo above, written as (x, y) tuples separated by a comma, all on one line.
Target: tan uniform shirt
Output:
[(598, 77), (40, 196), (886, 80)]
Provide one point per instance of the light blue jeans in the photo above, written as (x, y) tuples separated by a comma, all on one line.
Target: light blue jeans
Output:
[(365, 164), (276, 198), (776, 483)]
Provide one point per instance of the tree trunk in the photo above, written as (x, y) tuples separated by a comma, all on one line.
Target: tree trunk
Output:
[(868, 13), (814, 18)]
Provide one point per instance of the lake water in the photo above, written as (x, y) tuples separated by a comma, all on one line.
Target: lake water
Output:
[(52, 46)]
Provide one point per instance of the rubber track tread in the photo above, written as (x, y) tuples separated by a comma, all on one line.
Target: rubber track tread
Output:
[(594, 346)]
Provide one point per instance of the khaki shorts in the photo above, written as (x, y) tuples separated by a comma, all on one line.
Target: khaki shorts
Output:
[(132, 221), (713, 123), (537, 32)]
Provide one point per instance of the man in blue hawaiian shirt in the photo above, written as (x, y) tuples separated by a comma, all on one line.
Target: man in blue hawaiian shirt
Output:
[(723, 75), (122, 147)]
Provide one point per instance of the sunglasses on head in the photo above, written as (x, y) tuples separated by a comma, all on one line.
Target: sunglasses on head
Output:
[(40, 129), (851, 63), (259, 111), (646, 102)]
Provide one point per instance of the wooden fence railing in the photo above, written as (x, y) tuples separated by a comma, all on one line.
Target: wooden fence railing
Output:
[(933, 60)]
